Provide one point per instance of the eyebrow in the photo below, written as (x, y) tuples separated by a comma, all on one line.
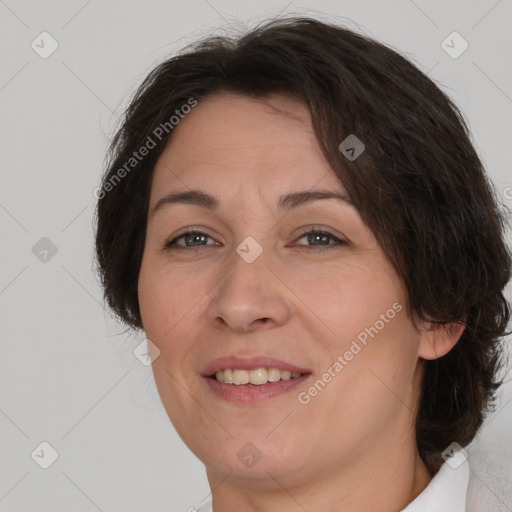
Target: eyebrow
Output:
[(286, 201)]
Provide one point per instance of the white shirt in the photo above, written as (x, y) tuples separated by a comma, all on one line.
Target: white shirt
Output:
[(446, 492)]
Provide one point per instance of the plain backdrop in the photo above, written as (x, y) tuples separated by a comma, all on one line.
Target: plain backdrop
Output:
[(68, 375)]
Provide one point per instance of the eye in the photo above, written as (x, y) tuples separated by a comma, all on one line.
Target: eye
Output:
[(319, 238), (190, 237)]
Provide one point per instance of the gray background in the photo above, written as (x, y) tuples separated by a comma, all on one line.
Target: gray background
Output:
[(68, 374)]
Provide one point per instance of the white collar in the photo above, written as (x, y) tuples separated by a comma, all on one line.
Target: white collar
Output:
[(446, 492)]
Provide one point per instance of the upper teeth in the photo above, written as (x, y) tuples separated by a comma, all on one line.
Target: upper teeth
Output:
[(256, 377)]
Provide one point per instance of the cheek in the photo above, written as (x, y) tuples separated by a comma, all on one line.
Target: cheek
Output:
[(375, 387), (152, 298), (170, 303), (350, 301), (164, 297)]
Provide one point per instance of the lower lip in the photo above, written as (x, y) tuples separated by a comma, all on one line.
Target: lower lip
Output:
[(249, 394)]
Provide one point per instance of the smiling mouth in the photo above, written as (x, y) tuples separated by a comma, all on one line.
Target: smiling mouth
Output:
[(256, 377)]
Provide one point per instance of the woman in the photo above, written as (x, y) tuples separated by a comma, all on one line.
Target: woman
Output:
[(299, 223)]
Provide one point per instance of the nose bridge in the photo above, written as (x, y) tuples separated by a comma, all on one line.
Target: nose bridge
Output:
[(249, 290)]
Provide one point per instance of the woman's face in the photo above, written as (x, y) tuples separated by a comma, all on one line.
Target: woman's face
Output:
[(254, 285)]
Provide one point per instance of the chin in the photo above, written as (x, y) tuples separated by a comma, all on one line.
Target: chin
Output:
[(253, 457)]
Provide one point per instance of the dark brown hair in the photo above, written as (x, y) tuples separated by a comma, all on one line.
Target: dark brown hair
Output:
[(419, 185)]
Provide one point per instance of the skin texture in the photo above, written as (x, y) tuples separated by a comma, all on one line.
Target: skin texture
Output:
[(352, 447)]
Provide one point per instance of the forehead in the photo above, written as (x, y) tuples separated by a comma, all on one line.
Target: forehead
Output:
[(239, 142)]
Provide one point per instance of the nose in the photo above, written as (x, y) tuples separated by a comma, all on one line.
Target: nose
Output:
[(249, 296)]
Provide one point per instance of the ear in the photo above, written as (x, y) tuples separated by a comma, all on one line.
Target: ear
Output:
[(437, 340)]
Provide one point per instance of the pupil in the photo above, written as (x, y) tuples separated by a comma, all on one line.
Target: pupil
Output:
[(316, 236), (194, 236)]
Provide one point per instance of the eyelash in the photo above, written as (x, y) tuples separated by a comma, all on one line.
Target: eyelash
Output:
[(171, 244)]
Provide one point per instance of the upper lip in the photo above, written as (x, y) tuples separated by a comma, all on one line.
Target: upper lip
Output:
[(249, 363)]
